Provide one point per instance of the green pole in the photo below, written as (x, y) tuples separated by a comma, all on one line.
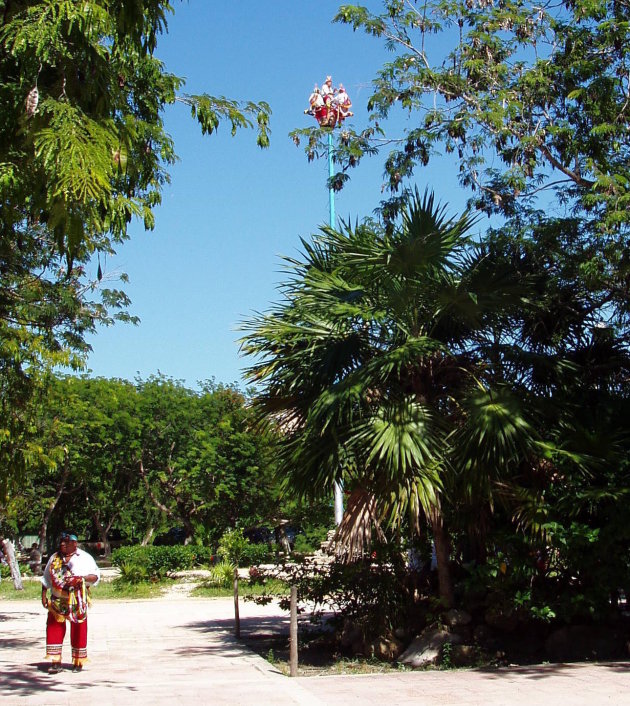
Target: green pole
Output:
[(331, 197), (331, 174)]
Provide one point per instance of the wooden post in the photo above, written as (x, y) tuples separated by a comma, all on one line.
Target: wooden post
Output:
[(293, 635), (237, 620)]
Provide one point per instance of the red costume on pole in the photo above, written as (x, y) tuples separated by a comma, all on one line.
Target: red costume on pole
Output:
[(329, 106)]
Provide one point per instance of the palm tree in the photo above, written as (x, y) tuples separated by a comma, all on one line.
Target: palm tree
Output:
[(378, 367)]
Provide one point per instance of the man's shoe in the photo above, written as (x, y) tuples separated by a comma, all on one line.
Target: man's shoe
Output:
[(55, 668), (77, 668)]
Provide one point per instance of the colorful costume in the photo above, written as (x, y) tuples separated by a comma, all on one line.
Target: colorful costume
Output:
[(329, 106), (69, 602), (327, 87), (343, 102)]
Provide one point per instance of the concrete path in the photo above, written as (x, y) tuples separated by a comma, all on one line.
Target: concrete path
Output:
[(176, 651)]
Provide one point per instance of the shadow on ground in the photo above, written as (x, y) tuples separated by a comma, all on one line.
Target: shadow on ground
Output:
[(542, 671), (33, 678), (269, 638), (249, 626)]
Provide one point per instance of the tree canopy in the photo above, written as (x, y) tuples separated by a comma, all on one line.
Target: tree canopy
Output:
[(409, 363), (532, 103), (145, 457), (529, 102), (542, 86), (83, 152)]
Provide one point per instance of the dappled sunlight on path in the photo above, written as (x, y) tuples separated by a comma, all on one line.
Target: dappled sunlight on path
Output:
[(177, 650)]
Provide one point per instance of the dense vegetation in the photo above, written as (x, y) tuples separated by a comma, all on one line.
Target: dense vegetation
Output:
[(464, 378), (83, 152), (468, 382), (142, 458)]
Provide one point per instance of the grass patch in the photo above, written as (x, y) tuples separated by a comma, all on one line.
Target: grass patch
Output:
[(32, 590), (111, 590), (120, 590), (272, 586), (365, 665)]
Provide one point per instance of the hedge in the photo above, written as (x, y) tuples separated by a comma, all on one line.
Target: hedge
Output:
[(160, 561)]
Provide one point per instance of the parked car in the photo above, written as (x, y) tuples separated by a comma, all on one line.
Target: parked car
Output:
[(176, 535), (95, 546)]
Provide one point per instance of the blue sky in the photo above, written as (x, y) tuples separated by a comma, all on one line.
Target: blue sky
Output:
[(232, 209)]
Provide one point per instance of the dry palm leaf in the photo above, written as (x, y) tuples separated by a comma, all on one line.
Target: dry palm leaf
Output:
[(354, 534)]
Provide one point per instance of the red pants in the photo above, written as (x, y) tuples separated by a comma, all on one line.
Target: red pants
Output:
[(56, 631)]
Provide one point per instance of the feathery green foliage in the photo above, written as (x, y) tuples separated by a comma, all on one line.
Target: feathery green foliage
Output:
[(83, 152)]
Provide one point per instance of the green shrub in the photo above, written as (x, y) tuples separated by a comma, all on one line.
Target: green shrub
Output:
[(133, 573), (232, 546), (222, 574), (257, 554), (372, 593), (5, 570), (310, 539), (236, 548), (161, 561)]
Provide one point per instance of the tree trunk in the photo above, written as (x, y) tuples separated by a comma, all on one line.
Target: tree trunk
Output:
[(43, 527), (9, 553), (103, 538), (442, 554), (237, 619), (147, 537), (102, 531), (183, 514)]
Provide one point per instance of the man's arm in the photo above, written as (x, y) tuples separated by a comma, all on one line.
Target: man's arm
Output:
[(46, 582), (89, 569)]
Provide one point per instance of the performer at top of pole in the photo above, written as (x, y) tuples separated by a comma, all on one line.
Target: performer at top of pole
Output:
[(330, 106)]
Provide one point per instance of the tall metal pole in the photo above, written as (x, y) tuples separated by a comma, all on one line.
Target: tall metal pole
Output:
[(331, 200), (331, 174)]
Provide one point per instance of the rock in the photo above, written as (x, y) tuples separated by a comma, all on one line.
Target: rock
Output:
[(464, 655), (502, 617), (426, 648), (574, 643), (384, 648), (486, 637), (454, 617), (350, 635), (358, 648), (465, 632), (401, 634)]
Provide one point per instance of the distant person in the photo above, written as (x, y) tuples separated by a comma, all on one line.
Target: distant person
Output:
[(35, 560), (68, 575), (315, 102), (343, 103), (3, 560), (327, 87)]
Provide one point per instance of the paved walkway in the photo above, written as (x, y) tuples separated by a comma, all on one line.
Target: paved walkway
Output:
[(176, 651)]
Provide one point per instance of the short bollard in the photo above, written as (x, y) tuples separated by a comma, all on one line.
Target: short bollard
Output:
[(293, 635), (237, 620)]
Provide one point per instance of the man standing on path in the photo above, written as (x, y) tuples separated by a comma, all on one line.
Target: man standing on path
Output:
[(68, 575)]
